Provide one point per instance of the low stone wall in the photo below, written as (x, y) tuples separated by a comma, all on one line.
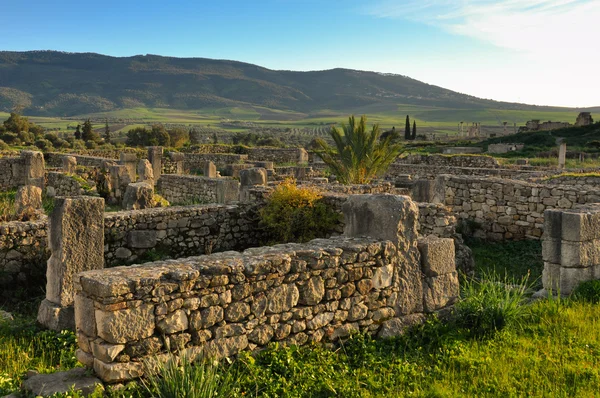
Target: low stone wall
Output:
[(278, 155), (507, 209), (451, 160), (418, 171), (583, 182), (356, 189), (185, 189), (178, 232), (218, 305), (61, 184), (23, 252), (10, 173), (54, 159), (196, 161)]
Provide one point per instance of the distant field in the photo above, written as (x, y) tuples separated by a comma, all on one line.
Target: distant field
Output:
[(443, 120)]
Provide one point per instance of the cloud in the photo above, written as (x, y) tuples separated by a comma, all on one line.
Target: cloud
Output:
[(535, 27)]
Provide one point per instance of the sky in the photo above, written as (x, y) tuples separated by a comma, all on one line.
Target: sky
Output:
[(543, 52)]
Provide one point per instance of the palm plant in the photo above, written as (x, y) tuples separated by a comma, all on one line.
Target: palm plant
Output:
[(359, 155)]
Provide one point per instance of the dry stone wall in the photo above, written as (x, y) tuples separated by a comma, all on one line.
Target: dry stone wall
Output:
[(195, 161), (278, 155), (10, 173), (185, 189), (61, 184), (480, 161)]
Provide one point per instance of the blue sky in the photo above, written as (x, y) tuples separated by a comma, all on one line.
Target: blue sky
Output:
[(535, 51)]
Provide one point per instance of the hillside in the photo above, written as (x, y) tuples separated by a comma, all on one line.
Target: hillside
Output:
[(51, 83)]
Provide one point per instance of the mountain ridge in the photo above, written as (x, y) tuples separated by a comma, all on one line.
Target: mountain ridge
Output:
[(55, 83)]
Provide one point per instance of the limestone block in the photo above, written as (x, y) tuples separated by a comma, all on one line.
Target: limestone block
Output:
[(312, 292), (129, 160), (84, 358), (581, 224), (85, 319), (397, 326), (383, 277), (253, 176), (129, 324), (265, 165), (174, 322), (143, 239), (34, 169), (551, 277), (69, 164), (28, 198), (261, 335), (227, 191), (437, 255), (570, 278), (282, 298), (155, 154), (138, 196), (61, 382), (210, 170), (145, 171), (440, 291), (551, 250), (56, 317), (580, 254), (76, 241), (118, 372), (119, 179), (106, 352)]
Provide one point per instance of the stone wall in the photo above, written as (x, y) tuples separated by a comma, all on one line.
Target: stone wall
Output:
[(54, 159), (23, 252), (61, 184), (278, 155), (582, 182), (178, 232), (451, 160), (185, 189), (218, 305), (10, 173), (420, 171), (195, 161), (500, 209)]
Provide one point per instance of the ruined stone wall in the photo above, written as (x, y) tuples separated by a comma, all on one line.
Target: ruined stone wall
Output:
[(451, 160), (420, 171), (185, 189), (54, 159), (583, 182), (354, 189), (178, 232), (61, 184), (195, 161), (108, 153), (508, 209), (278, 155), (10, 173), (23, 252)]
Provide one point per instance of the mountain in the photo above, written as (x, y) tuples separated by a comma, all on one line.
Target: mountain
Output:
[(56, 83)]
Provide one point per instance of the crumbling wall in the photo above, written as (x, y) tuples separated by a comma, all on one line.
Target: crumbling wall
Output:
[(10, 173), (185, 189), (278, 155), (452, 160), (61, 184), (196, 161)]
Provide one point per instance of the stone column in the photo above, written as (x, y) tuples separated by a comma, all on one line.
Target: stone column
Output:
[(119, 177), (145, 172), (33, 168), (69, 163), (250, 178), (210, 170), (76, 242), (129, 160), (570, 248), (562, 155), (155, 154), (228, 191), (393, 218), (177, 158)]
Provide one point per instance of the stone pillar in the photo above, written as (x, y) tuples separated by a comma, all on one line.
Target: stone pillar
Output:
[(250, 178), (28, 198), (302, 155), (301, 173), (394, 218), (69, 163), (440, 279), (129, 160), (145, 172), (76, 241), (119, 177), (34, 171), (155, 154), (138, 196), (210, 170), (177, 158), (228, 191), (562, 155), (570, 248)]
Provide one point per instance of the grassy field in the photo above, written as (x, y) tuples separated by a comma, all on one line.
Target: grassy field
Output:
[(549, 348)]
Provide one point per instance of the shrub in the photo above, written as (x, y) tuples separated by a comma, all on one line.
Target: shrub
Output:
[(182, 379), (4, 146), (10, 138), (294, 214), (588, 291), (43, 144), (490, 305), (91, 145)]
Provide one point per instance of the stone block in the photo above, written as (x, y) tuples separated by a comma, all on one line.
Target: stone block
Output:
[(265, 165), (126, 325), (227, 191), (437, 255), (580, 254), (83, 357), (104, 351), (440, 291), (56, 317), (138, 196), (28, 198), (570, 278), (553, 224), (155, 155), (129, 160), (145, 171), (397, 326), (253, 176), (174, 322), (551, 250), (210, 170), (118, 372), (61, 383), (34, 169), (142, 239), (85, 320), (580, 224), (69, 164), (76, 241), (313, 291), (551, 277)]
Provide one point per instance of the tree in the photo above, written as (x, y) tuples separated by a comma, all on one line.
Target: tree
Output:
[(106, 133), (16, 123), (87, 132), (407, 129), (78, 132), (178, 136), (359, 155), (414, 132)]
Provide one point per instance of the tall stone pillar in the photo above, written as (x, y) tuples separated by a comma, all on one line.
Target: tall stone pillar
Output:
[(210, 170), (129, 160), (562, 155), (76, 241), (155, 154), (33, 168)]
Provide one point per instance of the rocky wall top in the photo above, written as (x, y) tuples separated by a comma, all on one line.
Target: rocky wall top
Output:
[(451, 160)]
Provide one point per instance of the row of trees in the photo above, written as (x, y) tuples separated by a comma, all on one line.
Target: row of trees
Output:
[(86, 132), (157, 135)]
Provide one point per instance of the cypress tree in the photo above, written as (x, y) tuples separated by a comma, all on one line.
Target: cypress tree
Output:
[(78, 132), (414, 133), (407, 129), (106, 133)]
